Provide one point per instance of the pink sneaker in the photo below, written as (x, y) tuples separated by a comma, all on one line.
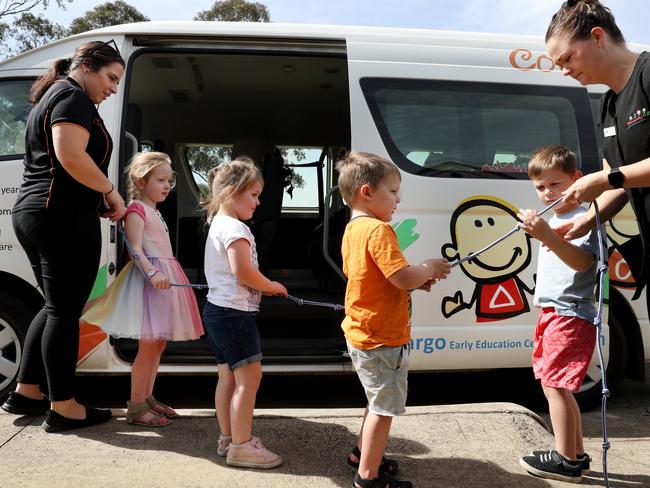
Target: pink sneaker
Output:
[(252, 454), (223, 445)]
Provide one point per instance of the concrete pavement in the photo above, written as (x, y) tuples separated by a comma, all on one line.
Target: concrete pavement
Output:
[(473, 445)]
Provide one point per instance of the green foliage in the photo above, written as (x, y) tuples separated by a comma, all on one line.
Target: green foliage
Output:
[(106, 14), (4, 28), (236, 11), (203, 158), (30, 31)]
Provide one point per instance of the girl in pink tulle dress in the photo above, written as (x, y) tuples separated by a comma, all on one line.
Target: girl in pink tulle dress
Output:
[(142, 307)]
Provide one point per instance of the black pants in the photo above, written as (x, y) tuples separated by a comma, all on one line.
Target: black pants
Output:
[(63, 248)]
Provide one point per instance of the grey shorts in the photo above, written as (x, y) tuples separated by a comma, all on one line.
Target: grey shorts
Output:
[(383, 373)]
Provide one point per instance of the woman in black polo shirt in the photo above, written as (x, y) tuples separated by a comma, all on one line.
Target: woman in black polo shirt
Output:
[(56, 220), (584, 40)]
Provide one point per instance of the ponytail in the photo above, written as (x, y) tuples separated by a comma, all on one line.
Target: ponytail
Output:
[(59, 68)]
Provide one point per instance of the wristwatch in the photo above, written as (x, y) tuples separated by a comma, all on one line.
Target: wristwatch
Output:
[(151, 272), (616, 178)]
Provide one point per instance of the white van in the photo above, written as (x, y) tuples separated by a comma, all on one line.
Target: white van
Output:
[(459, 113)]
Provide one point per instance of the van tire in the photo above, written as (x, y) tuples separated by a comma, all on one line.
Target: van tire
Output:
[(15, 318), (590, 395)]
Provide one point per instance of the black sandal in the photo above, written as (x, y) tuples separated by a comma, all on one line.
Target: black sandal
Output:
[(388, 466), (383, 481)]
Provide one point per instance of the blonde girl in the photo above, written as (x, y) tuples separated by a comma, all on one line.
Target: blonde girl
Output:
[(145, 306), (236, 286)]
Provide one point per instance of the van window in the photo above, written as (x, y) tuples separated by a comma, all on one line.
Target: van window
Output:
[(594, 99), (302, 192), (202, 159), (14, 109), (477, 130)]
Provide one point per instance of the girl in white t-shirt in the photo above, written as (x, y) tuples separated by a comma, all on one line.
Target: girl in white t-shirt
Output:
[(236, 286)]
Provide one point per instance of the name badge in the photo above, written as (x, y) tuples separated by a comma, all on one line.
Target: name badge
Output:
[(609, 131)]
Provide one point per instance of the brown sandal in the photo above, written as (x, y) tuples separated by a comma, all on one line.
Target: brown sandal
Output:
[(153, 403), (135, 411)]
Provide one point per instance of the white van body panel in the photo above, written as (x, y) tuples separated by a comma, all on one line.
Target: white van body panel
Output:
[(457, 342)]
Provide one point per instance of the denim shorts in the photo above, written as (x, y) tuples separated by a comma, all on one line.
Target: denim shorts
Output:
[(383, 372), (233, 334)]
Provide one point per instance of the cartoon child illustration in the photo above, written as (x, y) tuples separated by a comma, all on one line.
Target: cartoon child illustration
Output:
[(499, 293), (626, 251)]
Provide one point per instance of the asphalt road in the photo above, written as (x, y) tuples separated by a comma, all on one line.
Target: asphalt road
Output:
[(441, 445)]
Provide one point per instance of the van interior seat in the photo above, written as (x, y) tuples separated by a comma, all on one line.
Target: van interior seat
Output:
[(267, 215), (133, 129)]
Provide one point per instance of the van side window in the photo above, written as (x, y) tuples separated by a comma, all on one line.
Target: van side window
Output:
[(202, 158), (594, 100), (301, 194), (14, 109), (477, 130)]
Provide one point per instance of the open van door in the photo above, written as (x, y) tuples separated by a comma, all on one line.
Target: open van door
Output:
[(283, 101)]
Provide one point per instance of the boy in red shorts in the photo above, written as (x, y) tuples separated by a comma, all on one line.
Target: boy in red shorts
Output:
[(565, 336)]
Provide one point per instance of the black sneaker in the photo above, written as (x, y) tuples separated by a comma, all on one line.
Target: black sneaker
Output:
[(584, 461), (18, 404), (382, 481), (551, 465), (58, 423)]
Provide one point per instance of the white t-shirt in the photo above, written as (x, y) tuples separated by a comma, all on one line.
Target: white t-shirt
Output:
[(225, 290)]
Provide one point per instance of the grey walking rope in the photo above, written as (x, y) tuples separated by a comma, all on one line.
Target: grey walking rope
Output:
[(138, 264), (600, 278), (502, 238), (602, 270), (300, 301)]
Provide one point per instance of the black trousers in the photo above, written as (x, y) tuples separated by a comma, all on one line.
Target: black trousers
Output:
[(63, 248)]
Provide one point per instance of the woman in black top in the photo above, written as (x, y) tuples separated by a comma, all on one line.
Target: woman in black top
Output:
[(584, 40), (56, 220)]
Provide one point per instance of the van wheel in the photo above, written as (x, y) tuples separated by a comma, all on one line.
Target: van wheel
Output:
[(590, 395), (15, 318)]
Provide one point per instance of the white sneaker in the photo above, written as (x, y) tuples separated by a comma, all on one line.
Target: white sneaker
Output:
[(252, 454)]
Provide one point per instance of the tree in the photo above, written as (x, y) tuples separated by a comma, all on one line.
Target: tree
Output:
[(236, 11), (16, 7), (30, 31), (4, 28), (106, 14), (203, 158)]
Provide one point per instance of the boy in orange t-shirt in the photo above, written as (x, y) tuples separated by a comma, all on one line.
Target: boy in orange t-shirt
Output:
[(377, 307)]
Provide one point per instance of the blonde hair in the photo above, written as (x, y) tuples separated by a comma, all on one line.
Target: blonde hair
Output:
[(553, 156), (362, 168), (142, 164), (229, 181)]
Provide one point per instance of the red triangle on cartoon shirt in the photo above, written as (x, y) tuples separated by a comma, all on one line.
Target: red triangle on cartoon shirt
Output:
[(501, 298)]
